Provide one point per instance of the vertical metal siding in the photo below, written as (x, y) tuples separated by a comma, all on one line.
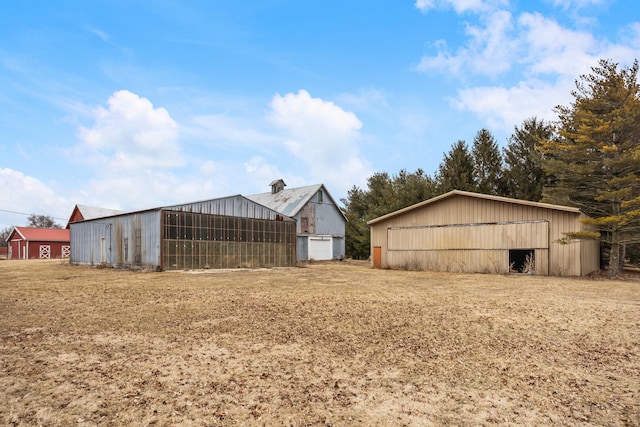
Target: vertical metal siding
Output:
[(129, 240), (338, 248), (302, 248), (329, 221)]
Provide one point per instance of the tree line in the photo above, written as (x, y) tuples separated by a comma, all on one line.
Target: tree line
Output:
[(588, 158)]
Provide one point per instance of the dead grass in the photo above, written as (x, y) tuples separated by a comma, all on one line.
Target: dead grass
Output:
[(329, 344)]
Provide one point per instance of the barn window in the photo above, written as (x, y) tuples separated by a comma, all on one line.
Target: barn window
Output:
[(522, 261), (320, 197)]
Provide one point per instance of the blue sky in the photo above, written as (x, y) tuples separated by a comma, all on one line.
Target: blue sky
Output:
[(138, 104)]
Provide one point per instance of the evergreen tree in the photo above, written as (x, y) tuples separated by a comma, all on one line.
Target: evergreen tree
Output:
[(384, 194), (487, 163), (596, 159), (411, 188), (524, 176), (357, 237), (362, 206), (456, 170)]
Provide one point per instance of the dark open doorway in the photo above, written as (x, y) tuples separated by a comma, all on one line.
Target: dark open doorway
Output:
[(522, 261)]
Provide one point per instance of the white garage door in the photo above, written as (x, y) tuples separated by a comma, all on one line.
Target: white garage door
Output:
[(320, 248)]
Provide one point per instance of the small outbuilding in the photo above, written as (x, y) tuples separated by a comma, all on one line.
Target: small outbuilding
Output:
[(320, 221), (469, 232), (38, 243)]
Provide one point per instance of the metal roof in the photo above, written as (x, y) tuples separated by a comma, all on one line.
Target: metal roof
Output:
[(476, 195), (290, 202), (41, 234), (92, 212), (236, 205)]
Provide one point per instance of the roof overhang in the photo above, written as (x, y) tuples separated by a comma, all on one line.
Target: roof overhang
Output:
[(475, 195)]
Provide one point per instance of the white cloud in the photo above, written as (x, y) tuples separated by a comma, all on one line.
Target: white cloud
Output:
[(322, 135), (425, 5), (460, 6), (576, 4), (138, 157), (538, 54), (26, 194), (489, 50), (130, 134), (99, 33), (553, 49), (144, 159), (505, 107), (261, 171)]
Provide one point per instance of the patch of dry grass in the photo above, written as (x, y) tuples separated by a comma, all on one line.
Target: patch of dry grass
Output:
[(330, 344)]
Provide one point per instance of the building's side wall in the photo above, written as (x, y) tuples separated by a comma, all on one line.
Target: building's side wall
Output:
[(22, 249), (55, 249), (321, 218), (302, 248), (467, 247), (120, 241), (15, 249), (558, 259), (338, 248), (203, 241), (329, 220)]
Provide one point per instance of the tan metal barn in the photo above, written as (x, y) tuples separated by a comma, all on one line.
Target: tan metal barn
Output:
[(469, 232)]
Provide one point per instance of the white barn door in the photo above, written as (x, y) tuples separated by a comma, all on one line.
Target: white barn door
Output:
[(45, 251), (320, 248)]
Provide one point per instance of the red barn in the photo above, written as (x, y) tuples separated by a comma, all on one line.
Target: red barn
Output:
[(39, 243), (82, 213)]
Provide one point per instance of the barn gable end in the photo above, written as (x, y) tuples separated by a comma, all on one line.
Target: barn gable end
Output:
[(470, 232)]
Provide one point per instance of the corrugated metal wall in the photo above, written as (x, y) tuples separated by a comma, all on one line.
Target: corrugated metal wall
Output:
[(329, 221), (302, 251), (500, 226), (320, 218), (119, 241), (251, 235)]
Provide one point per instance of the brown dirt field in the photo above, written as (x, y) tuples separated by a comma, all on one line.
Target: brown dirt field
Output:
[(329, 344)]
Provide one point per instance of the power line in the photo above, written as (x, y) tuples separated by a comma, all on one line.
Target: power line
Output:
[(27, 214)]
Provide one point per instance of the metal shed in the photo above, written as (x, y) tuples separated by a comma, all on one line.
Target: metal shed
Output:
[(470, 232), (228, 232)]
